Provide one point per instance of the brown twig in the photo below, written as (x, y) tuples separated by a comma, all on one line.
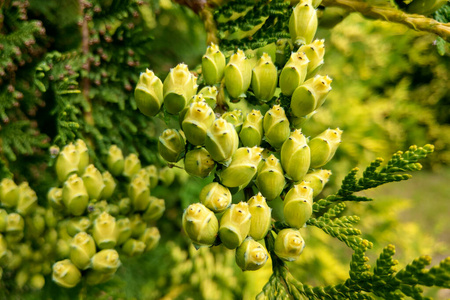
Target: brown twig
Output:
[(416, 22)]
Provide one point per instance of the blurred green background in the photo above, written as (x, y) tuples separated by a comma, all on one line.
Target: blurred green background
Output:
[(390, 90)]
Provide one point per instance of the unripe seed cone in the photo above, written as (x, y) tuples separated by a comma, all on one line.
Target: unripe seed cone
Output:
[(104, 231), (67, 162), (137, 225), (9, 193), (270, 179), (242, 168), (124, 206), (54, 197), (276, 126), (195, 98), (303, 23), (78, 224), (93, 181), (213, 65), (198, 162), (21, 277), (324, 146), (115, 160), (75, 195), (150, 237), (295, 156), (139, 194), (3, 219), (82, 249), (133, 247), (27, 201), (95, 277), (317, 180), (251, 255), (197, 120), (235, 225), (200, 224), (62, 248), (221, 140), (179, 86), (298, 122), (235, 117), (155, 210), (143, 174), (166, 176), (149, 93), (298, 205), (132, 165), (261, 217), (152, 172), (289, 244), (315, 53), (216, 197), (252, 132), (66, 274), (209, 94), (37, 282), (171, 145), (35, 225), (294, 72), (238, 74), (106, 261), (3, 248), (82, 150), (110, 185), (123, 230), (264, 78), (310, 95)]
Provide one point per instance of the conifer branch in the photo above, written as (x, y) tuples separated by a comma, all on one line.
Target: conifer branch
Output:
[(414, 21)]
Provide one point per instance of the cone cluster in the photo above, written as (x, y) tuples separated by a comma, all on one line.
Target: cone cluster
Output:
[(260, 148), (93, 218)]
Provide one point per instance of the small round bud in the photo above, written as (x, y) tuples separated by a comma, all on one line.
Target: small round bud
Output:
[(123, 230), (293, 73), (133, 247), (289, 244), (137, 225), (139, 194), (171, 145), (303, 23), (15, 224), (82, 248), (149, 93), (37, 282), (242, 168), (153, 176), (66, 274), (251, 255), (27, 201), (3, 219), (9, 193), (166, 176), (198, 162), (93, 181), (124, 206), (110, 185), (213, 65), (324, 146), (54, 197), (238, 75), (150, 237), (104, 231), (298, 205), (221, 140), (132, 165), (270, 179), (78, 224), (199, 117), (261, 217), (115, 161), (200, 225), (155, 209), (216, 197), (317, 180), (235, 225), (295, 156), (67, 162), (276, 126), (179, 86), (264, 78), (106, 261), (252, 133), (74, 195)]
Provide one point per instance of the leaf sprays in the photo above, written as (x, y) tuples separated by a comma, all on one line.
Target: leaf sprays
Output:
[(264, 78), (149, 93), (238, 74), (213, 65), (179, 87), (303, 23)]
